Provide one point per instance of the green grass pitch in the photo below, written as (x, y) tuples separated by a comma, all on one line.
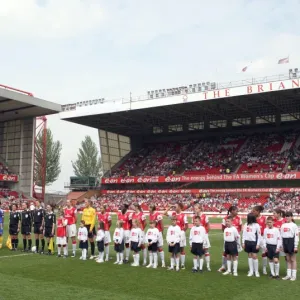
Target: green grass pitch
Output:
[(35, 276)]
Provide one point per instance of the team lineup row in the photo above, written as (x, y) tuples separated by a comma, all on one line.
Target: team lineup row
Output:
[(275, 237)]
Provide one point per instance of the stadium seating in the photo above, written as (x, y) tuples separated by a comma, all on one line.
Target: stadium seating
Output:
[(233, 154)]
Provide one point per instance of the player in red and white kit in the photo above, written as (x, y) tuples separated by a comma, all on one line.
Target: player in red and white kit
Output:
[(124, 216), (141, 217), (61, 235), (182, 222), (204, 221), (279, 220), (262, 222), (236, 222), (105, 217), (70, 213), (157, 217)]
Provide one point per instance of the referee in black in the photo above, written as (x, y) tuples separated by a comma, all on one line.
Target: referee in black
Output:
[(50, 222), (26, 225), (38, 226), (14, 226)]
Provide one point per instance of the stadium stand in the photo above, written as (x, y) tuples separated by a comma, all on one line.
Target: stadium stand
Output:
[(241, 154)]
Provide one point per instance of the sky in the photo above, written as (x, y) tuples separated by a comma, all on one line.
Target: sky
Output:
[(66, 51)]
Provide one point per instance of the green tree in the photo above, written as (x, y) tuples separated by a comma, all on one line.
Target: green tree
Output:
[(53, 152), (88, 161)]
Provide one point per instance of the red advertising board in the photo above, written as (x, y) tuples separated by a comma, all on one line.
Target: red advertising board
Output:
[(203, 178), (11, 178), (202, 191)]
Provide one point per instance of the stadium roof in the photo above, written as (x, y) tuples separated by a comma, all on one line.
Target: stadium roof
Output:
[(17, 104), (265, 98)]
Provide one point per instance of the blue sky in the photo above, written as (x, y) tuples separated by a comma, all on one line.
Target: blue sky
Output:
[(71, 50)]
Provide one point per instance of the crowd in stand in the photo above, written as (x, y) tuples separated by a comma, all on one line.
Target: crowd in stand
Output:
[(241, 154)]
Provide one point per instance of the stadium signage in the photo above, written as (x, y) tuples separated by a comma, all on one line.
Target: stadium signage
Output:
[(203, 178), (12, 178), (204, 191)]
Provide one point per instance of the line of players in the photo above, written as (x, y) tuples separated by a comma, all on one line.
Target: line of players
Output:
[(130, 235)]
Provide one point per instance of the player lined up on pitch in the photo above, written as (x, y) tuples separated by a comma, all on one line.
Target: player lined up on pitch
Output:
[(275, 237)]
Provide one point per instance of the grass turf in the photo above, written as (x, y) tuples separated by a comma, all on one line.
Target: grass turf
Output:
[(36, 276)]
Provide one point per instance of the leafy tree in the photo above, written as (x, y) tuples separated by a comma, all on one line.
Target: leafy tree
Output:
[(88, 161), (53, 152)]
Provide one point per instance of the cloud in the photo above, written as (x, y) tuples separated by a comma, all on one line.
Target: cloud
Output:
[(69, 50), (54, 19)]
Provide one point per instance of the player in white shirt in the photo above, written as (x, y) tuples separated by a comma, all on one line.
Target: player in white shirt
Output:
[(100, 242), (118, 239), (198, 238), (136, 240), (83, 240), (272, 244), (152, 236), (173, 240), (251, 241), (231, 245), (290, 240)]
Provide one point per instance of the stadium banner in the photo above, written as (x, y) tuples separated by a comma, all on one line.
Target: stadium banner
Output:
[(203, 191), (203, 178), (11, 178)]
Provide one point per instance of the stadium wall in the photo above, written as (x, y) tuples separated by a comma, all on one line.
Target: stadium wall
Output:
[(17, 149), (113, 147)]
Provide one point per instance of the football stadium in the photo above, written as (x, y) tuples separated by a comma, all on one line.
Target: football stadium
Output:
[(202, 155)]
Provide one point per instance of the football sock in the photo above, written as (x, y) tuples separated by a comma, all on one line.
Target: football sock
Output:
[(24, 244), (121, 256), (43, 245), (150, 258), (272, 269), (107, 252), (58, 249), (65, 250), (177, 262), (118, 256), (276, 269), (137, 257), (145, 255), (228, 265), (201, 260), (182, 258), (155, 259), (250, 264), (29, 244), (207, 259), (294, 273), (16, 243), (127, 251), (92, 248), (224, 262), (74, 246), (235, 266), (37, 244), (195, 262), (172, 262), (255, 265), (289, 272), (162, 256), (265, 263)]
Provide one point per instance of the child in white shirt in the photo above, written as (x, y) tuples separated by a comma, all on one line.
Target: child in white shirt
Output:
[(173, 240), (152, 235), (118, 239), (198, 237), (83, 240), (136, 239), (100, 242)]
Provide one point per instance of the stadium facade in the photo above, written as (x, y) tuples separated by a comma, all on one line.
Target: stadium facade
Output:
[(201, 111), (18, 112)]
